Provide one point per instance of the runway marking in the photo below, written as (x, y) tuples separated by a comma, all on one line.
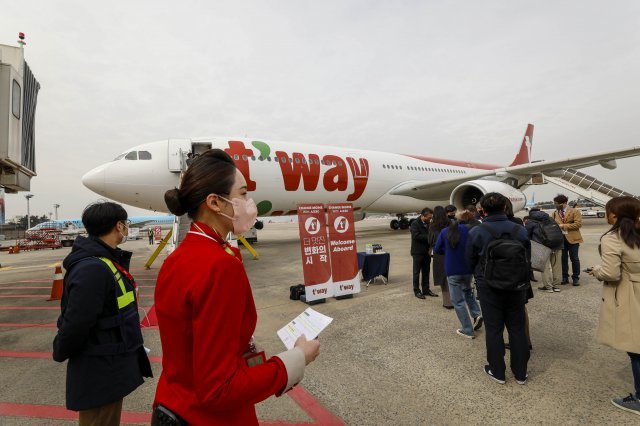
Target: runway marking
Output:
[(7, 268)]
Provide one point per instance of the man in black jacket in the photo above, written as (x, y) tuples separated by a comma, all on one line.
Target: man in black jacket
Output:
[(420, 253), (99, 328), (500, 308)]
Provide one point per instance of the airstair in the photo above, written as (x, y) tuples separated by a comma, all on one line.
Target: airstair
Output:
[(586, 186)]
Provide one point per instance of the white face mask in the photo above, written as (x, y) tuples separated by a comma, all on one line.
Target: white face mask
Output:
[(245, 214), (124, 237)]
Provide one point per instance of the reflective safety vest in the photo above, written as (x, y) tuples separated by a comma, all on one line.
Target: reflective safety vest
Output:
[(127, 297)]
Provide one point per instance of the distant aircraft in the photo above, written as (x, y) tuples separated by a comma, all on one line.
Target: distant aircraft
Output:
[(282, 175), (164, 221)]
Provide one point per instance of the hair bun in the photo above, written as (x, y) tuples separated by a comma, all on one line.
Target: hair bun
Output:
[(172, 200)]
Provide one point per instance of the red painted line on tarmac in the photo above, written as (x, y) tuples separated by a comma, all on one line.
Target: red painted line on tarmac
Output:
[(40, 308), (26, 288), (61, 413), (300, 396), (40, 296)]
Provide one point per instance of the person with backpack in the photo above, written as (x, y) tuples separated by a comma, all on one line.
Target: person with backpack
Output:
[(544, 230), (498, 251), (451, 242)]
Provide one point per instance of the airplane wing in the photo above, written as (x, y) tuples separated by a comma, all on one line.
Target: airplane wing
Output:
[(436, 189)]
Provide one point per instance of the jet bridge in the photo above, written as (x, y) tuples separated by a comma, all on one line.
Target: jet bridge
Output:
[(18, 97), (586, 186)]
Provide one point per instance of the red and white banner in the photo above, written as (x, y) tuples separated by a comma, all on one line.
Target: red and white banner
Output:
[(314, 245), (157, 233), (342, 243)]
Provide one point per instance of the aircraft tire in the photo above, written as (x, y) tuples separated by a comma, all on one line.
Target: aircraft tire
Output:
[(395, 224), (404, 224), (600, 215)]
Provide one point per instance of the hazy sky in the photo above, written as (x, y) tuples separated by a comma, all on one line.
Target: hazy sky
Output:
[(449, 79)]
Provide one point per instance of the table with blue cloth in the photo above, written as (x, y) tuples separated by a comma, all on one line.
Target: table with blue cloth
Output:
[(373, 266)]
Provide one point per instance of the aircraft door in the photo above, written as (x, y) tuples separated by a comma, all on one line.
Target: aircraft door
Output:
[(178, 149)]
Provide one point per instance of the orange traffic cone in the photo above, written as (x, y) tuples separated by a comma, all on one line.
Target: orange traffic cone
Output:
[(150, 320), (58, 284)]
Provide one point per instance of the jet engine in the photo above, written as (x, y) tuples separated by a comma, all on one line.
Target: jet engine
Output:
[(470, 193)]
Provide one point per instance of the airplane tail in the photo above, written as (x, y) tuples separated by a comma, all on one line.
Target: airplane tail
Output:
[(524, 154)]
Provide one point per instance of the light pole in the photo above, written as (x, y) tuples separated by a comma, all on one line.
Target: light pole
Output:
[(55, 206), (28, 197)]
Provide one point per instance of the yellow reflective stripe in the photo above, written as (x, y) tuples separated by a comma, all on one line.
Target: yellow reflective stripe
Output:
[(127, 297)]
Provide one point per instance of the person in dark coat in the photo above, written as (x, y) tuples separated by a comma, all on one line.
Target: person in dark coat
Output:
[(99, 327), (439, 222), (420, 253), (500, 308)]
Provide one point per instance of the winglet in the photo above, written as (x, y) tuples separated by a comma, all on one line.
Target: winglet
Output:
[(523, 156)]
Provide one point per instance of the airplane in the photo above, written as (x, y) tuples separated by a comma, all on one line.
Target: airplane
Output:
[(282, 175), (164, 221)]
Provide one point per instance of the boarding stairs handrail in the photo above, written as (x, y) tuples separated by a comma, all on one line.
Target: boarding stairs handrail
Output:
[(587, 186)]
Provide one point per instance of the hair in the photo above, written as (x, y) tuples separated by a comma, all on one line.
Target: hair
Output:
[(560, 199), (508, 208), (526, 218), (493, 202), (627, 211), (426, 211), (440, 219), (534, 209), (471, 208), (453, 234), (450, 208), (100, 218), (211, 173), (466, 216)]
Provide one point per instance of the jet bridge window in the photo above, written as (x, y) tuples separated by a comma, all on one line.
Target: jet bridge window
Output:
[(133, 155), (144, 155), (15, 101)]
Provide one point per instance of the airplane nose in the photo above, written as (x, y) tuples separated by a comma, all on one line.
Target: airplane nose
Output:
[(94, 180)]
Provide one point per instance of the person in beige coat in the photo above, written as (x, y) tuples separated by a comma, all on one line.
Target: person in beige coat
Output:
[(570, 221), (619, 324)]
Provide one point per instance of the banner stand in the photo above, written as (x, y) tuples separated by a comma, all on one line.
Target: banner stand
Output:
[(345, 296), (303, 299)]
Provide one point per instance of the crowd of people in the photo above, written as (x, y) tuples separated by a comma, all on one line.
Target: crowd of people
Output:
[(487, 247), (212, 369)]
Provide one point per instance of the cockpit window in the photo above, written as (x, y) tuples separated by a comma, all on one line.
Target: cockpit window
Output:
[(120, 157), (144, 155), (133, 155)]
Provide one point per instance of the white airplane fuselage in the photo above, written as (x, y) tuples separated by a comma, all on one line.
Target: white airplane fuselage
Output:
[(281, 175)]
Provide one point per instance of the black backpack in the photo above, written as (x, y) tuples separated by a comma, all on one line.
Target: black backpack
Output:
[(506, 264), (551, 235)]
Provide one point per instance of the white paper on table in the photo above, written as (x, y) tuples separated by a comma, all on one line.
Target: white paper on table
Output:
[(310, 323)]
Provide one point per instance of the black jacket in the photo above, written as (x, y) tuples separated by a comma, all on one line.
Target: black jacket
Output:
[(419, 238), (536, 219), (480, 238), (89, 296)]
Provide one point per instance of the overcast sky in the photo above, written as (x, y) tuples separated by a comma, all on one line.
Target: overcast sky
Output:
[(448, 79)]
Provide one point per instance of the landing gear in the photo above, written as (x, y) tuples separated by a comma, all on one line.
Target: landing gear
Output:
[(400, 223)]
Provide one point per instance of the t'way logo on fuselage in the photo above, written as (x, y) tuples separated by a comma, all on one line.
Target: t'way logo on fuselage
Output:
[(297, 167)]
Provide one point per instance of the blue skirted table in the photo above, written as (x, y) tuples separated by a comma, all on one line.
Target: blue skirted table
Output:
[(373, 266)]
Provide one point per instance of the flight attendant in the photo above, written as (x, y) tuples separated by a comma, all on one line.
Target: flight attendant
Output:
[(206, 313)]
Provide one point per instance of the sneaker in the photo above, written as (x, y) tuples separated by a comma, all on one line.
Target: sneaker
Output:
[(463, 334), (419, 295), (556, 289), (487, 370), (522, 382), (477, 323), (628, 403)]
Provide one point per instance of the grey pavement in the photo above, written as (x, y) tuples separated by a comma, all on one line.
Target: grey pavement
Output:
[(387, 358)]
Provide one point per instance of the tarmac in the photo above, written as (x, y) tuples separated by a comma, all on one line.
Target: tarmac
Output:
[(388, 358)]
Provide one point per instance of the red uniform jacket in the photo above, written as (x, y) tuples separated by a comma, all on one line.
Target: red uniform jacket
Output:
[(206, 317)]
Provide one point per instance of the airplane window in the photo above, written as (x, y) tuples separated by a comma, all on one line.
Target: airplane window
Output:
[(276, 159), (261, 158), (236, 157), (290, 160), (297, 161), (317, 162), (144, 155), (304, 161), (253, 158), (133, 155), (119, 157), (244, 157), (269, 158), (339, 163)]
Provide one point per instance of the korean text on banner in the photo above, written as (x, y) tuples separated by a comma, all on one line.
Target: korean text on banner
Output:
[(342, 243), (314, 245)]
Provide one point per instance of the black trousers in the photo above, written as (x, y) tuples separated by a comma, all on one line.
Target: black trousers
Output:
[(421, 264), (500, 309)]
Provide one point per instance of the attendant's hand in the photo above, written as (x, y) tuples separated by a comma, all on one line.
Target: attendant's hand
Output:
[(311, 348)]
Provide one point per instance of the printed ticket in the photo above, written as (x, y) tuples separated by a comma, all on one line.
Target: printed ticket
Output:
[(310, 323)]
